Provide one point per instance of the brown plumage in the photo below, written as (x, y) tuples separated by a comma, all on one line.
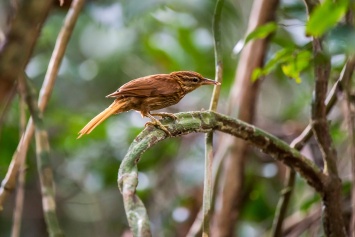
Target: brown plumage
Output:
[(150, 93)]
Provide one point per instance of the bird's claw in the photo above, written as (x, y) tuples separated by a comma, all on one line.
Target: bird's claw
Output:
[(173, 116), (160, 125), (163, 114)]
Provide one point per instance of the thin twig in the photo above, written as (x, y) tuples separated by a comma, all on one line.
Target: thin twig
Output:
[(6, 106), (19, 202), (19, 156), (282, 205), (196, 227), (299, 142), (242, 104), (351, 130), (20, 194), (208, 186), (217, 53), (45, 171), (350, 118), (299, 222), (205, 121)]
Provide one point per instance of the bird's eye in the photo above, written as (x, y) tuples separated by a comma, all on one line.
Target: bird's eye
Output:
[(195, 80)]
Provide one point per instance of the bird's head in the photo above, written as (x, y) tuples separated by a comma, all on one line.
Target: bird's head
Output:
[(192, 80)]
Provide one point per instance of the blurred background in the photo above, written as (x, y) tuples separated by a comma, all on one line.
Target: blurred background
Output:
[(117, 41)]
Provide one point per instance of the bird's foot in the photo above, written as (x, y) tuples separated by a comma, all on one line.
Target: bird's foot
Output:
[(158, 124), (164, 114)]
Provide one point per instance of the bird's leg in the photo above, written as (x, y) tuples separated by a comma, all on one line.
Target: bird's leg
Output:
[(156, 122), (164, 114)]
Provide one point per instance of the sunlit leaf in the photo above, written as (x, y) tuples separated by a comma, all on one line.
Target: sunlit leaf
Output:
[(291, 61), (257, 73), (326, 16), (293, 68), (261, 32), (290, 71), (279, 57)]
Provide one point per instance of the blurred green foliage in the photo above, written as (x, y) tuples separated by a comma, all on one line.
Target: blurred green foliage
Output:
[(261, 32), (116, 41), (325, 16)]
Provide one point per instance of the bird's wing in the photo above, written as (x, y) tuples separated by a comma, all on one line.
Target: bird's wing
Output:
[(148, 86)]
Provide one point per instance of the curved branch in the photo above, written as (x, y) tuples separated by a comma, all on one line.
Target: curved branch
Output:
[(204, 121)]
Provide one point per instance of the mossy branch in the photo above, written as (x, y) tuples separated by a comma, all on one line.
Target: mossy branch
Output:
[(204, 121), (45, 171), (9, 182)]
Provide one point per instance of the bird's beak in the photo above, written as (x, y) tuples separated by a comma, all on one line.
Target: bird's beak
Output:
[(210, 82)]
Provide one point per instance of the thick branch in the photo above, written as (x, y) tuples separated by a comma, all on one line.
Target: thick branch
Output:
[(205, 121), (20, 41), (319, 114)]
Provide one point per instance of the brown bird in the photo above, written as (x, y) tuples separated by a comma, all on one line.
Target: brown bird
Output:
[(150, 93)]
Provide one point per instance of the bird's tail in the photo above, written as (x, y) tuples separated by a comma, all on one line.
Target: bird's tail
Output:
[(115, 108)]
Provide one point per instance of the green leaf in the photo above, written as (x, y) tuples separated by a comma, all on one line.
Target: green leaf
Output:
[(261, 32), (290, 71), (326, 16), (279, 57), (257, 73), (296, 65), (292, 62)]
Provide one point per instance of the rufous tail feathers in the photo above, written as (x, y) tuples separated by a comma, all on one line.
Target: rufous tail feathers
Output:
[(114, 108)]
